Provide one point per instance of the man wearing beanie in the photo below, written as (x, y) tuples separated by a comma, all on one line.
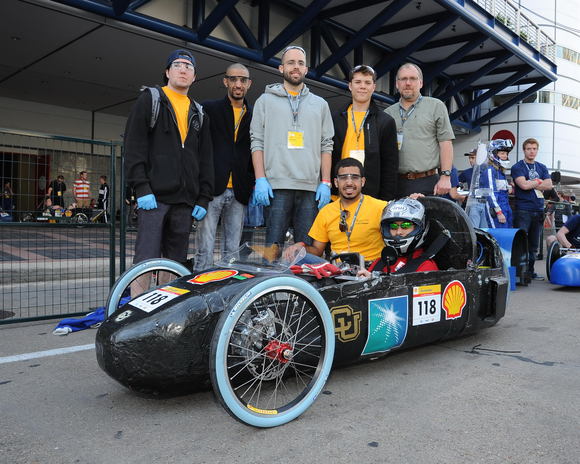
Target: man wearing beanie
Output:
[(169, 163)]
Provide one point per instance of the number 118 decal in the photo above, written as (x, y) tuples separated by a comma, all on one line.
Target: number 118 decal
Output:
[(426, 304), (157, 298)]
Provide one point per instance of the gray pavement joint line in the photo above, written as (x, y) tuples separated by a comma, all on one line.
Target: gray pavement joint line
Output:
[(44, 354)]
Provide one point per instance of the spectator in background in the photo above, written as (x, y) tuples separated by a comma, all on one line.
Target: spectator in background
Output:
[(7, 197), (232, 165), (55, 193), (424, 135), (569, 234), (82, 190), (103, 200), (364, 132), (291, 133), (531, 180), (465, 176)]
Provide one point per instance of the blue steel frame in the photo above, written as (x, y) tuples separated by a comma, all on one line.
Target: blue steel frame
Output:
[(324, 27)]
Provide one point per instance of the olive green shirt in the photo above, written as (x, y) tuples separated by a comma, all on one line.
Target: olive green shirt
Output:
[(427, 125)]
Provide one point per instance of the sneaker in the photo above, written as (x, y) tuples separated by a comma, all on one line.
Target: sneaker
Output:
[(537, 276)]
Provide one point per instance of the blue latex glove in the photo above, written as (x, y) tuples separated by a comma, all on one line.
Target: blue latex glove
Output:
[(198, 212), (147, 202), (322, 195), (263, 192)]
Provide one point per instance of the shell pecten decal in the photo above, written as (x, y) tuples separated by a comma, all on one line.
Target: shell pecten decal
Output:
[(213, 276), (454, 299)]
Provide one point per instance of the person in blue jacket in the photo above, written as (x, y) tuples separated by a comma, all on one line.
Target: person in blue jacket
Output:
[(498, 200)]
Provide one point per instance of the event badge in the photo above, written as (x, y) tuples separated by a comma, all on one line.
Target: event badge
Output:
[(539, 193), (358, 155), (59, 193), (399, 139), (295, 140)]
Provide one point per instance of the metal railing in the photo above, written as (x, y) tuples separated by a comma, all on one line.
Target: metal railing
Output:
[(56, 257), (511, 16)]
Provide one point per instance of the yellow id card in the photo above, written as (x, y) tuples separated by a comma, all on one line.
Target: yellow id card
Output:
[(295, 140)]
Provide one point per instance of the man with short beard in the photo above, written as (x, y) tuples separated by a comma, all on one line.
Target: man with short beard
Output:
[(232, 162), (291, 134), (424, 135)]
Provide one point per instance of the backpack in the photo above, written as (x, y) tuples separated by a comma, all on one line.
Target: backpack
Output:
[(155, 103)]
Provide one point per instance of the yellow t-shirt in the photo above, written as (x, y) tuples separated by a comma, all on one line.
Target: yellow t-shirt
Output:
[(350, 139), (366, 236), (180, 105)]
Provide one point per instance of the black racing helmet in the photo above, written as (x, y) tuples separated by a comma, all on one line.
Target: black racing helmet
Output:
[(407, 210)]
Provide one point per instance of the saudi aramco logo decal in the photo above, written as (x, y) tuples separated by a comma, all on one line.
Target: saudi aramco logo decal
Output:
[(387, 324)]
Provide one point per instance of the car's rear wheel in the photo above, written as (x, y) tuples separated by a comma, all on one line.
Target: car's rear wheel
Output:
[(554, 253), (138, 271), (272, 351)]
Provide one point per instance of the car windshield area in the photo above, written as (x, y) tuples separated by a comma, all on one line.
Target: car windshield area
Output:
[(259, 258)]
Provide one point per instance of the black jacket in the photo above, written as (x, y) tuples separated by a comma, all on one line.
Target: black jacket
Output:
[(381, 152), (157, 162), (229, 156)]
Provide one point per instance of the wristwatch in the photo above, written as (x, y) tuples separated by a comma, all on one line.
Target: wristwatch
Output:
[(446, 172)]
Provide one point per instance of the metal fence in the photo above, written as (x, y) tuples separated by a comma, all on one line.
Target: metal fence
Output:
[(61, 261), (56, 258)]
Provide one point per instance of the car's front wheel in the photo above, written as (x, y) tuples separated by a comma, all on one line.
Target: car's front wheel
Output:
[(272, 351)]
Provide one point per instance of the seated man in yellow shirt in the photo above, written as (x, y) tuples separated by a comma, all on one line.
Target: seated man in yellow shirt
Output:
[(350, 224)]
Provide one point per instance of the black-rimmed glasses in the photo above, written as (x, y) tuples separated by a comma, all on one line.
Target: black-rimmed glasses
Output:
[(234, 79)]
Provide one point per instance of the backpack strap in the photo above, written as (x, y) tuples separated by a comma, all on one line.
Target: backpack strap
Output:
[(155, 104)]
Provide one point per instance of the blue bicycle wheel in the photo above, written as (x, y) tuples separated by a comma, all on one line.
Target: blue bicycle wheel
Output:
[(272, 351), (136, 271)]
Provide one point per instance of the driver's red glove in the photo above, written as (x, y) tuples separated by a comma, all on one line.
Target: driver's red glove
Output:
[(322, 270)]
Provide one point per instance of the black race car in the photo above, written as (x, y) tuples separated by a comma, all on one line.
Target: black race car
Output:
[(266, 339)]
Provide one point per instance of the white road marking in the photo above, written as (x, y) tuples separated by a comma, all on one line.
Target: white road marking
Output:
[(44, 354)]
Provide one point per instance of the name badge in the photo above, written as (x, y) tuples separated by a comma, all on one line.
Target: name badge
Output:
[(358, 155), (399, 140), (295, 140), (59, 193), (539, 193)]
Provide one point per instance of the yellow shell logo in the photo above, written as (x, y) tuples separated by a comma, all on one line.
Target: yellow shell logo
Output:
[(213, 276), (454, 299)]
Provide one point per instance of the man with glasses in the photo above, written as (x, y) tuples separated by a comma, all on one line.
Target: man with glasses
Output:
[(532, 179), (291, 134), (349, 224), (364, 132), (424, 136), (232, 164), (170, 165)]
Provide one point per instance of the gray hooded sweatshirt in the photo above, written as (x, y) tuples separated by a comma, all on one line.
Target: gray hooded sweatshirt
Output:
[(293, 169)]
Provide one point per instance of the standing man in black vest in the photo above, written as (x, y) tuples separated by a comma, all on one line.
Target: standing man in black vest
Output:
[(364, 132), (234, 174)]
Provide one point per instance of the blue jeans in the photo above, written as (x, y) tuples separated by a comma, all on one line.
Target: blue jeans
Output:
[(232, 213), (531, 222), (478, 213), (290, 207)]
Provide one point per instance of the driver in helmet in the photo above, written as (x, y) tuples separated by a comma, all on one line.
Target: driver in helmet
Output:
[(498, 153), (404, 228)]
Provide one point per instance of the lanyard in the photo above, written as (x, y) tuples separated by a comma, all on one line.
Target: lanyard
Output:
[(237, 123), (357, 133), (352, 224), (294, 105), (407, 114)]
